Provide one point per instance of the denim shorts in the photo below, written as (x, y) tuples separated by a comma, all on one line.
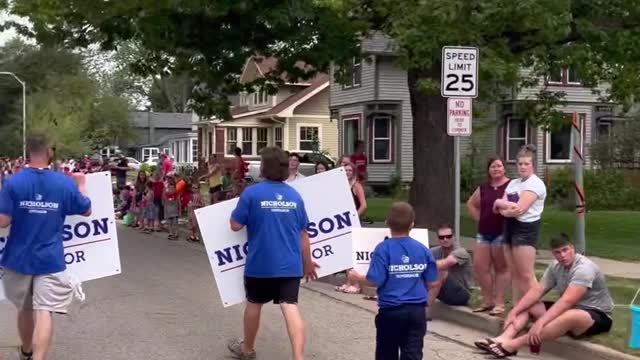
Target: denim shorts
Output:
[(495, 240)]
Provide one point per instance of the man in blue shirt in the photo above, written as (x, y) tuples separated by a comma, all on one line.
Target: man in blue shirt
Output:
[(279, 252), (35, 202), (403, 270)]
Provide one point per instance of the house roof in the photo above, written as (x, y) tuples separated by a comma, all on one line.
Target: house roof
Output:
[(268, 64), (296, 99), (143, 119)]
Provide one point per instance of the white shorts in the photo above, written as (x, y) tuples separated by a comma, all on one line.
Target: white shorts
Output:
[(50, 292)]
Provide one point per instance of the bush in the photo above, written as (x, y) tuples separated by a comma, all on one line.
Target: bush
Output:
[(604, 189), (149, 169)]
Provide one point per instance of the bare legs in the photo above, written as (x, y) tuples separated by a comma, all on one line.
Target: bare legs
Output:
[(36, 329), (482, 268), (293, 319)]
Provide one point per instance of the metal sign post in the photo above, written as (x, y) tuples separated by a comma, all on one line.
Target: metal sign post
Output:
[(459, 83)]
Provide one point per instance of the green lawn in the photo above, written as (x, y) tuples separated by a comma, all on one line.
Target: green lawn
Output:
[(622, 291), (610, 234)]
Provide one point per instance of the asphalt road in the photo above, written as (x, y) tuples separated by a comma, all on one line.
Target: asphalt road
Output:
[(165, 306)]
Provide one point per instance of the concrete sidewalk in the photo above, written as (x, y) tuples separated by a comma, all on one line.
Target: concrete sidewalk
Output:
[(629, 270)]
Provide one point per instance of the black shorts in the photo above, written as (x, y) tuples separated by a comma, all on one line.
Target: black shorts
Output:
[(279, 290), (518, 233), (215, 189), (601, 321)]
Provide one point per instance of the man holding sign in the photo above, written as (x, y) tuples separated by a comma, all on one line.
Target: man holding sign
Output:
[(35, 203), (279, 252)]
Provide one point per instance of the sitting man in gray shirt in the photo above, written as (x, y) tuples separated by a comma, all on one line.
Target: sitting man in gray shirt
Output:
[(455, 276), (583, 309)]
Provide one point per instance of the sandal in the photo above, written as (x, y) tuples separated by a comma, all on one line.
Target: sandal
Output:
[(498, 310), (341, 288), (352, 290), (483, 308), (499, 352), (484, 345)]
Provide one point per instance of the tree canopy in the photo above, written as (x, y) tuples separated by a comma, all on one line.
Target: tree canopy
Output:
[(210, 42)]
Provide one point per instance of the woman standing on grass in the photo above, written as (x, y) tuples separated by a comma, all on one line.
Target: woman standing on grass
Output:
[(522, 205), (489, 250)]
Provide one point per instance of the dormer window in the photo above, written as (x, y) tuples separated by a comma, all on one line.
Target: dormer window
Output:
[(566, 76)]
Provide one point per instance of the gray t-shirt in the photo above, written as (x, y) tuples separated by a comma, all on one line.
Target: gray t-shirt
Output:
[(462, 272), (585, 273)]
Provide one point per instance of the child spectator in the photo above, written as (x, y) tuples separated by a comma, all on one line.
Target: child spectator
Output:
[(171, 203), (402, 269), (157, 187), (227, 185), (150, 213), (125, 202), (195, 202)]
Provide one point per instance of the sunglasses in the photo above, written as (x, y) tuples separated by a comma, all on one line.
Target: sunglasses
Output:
[(442, 237)]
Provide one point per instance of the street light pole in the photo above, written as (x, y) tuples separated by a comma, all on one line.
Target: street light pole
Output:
[(24, 111)]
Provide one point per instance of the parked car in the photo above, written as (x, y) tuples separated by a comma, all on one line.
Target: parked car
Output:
[(134, 164), (308, 160)]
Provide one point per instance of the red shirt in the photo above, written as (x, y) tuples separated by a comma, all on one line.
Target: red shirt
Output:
[(158, 188), (242, 168), (360, 163), (167, 166)]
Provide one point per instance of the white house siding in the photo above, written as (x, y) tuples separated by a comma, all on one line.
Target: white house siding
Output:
[(365, 91), (393, 86), (483, 134), (328, 133)]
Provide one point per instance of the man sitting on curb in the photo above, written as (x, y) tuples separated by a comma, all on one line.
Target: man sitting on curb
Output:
[(583, 309), (454, 271)]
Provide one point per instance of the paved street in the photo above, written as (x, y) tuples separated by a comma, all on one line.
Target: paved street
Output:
[(165, 306)]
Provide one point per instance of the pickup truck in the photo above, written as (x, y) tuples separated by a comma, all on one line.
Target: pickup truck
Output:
[(308, 160)]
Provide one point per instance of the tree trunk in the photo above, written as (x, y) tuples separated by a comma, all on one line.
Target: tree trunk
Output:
[(432, 188)]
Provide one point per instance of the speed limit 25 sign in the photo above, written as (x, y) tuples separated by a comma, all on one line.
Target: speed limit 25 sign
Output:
[(459, 71)]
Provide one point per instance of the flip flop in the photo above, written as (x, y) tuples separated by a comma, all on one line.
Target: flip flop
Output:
[(352, 290), (499, 352), (340, 288), (484, 345), (483, 308), (498, 310)]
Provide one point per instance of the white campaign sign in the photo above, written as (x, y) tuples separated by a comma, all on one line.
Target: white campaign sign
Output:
[(365, 241), (459, 116), (332, 216), (459, 72), (90, 243)]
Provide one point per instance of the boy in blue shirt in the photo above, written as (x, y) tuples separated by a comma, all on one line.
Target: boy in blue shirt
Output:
[(279, 252), (402, 269), (35, 202)]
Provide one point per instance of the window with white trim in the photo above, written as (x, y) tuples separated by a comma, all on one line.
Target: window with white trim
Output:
[(309, 137), (559, 142), (149, 153), (381, 141), (231, 140), (277, 137), (247, 141), (517, 131), (566, 76), (355, 74), (262, 136), (350, 134), (194, 150), (260, 97)]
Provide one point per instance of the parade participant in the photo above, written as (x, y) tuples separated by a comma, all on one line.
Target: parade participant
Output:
[(583, 309), (149, 210), (454, 271), (522, 205), (35, 203), (240, 169), (167, 165), (158, 190), (359, 160), (403, 270), (294, 166), (279, 252), (489, 251)]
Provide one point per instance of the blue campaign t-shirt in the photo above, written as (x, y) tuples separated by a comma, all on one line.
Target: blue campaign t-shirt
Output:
[(38, 202), (274, 215), (399, 268)]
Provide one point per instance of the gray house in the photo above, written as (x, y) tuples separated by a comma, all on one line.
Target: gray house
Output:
[(375, 107), (172, 133)]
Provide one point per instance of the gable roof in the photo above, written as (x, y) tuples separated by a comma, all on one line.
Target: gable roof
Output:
[(285, 108), (266, 65)]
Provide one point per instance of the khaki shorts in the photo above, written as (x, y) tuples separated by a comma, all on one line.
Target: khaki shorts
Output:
[(51, 292)]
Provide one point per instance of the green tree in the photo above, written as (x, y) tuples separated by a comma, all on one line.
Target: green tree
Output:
[(210, 41)]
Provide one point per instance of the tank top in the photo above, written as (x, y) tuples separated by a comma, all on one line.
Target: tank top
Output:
[(490, 223), (356, 201)]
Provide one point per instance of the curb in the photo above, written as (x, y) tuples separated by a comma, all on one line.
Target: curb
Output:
[(564, 347)]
